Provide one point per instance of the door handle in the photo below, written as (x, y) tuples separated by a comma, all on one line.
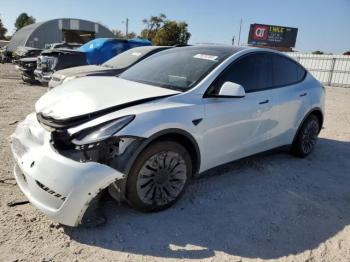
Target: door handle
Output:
[(264, 102), (303, 94)]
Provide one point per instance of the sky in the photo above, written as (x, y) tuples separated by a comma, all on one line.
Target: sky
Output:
[(322, 24)]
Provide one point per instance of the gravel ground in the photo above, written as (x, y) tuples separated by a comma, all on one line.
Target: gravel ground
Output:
[(269, 207)]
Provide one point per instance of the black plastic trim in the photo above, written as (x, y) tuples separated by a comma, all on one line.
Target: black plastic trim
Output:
[(220, 96)]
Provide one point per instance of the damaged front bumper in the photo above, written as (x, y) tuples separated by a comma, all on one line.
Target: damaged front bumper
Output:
[(60, 187), (42, 77)]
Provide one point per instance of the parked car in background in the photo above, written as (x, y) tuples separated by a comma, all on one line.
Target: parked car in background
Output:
[(5, 55), (25, 59), (145, 134), (111, 67), (94, 52), (24, 52), (27, 66)]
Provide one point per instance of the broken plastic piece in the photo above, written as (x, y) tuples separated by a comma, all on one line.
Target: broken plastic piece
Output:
[(17, 203)]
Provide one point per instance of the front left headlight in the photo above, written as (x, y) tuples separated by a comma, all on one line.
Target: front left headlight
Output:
[(101, 132)]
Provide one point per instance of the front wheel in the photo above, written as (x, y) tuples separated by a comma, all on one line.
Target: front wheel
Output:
[(306, 138), (159, 176)]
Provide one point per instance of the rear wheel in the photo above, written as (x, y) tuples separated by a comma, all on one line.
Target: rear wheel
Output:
[(307, 137), (159, 176)]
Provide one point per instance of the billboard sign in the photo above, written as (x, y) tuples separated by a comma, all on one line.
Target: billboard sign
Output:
[(271, 35)]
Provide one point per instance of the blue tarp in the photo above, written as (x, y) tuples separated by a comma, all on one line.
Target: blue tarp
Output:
[(100, 50)]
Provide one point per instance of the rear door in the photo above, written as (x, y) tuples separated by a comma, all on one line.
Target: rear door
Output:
[(293, 97)]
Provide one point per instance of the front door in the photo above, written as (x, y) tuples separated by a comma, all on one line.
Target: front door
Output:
[(237, 127)]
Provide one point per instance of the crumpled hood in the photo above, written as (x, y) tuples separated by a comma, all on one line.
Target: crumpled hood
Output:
[(28, 59), (80, 70), (90, 94)]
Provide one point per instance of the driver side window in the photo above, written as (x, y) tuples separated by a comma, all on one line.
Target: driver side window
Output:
[(253, 72)]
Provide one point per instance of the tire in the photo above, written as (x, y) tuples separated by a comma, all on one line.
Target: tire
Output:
[(28, 79), (159, 176), (306, 138)]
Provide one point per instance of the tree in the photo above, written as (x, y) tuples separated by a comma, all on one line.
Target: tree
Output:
[(3, 31), (132, 35), (162, 31), (172, 33), (121, 34), (317, 52), (153, 24), (118, 33), (23, 20)]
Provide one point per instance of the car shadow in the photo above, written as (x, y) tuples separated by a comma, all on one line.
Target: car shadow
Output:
[(266, 206)]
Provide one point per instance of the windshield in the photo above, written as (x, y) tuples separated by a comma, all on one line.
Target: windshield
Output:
[(177, 68), (126, 58)]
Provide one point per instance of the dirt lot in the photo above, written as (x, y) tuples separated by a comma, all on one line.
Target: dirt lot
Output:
[(270, 207)]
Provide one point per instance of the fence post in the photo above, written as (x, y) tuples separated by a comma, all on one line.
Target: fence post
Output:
[(331, 71)]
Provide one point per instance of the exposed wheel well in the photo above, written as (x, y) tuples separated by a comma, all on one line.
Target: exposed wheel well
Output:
[(319, 116), (187, 143), (316, 112)]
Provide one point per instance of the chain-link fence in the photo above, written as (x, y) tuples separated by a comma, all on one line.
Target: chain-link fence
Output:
[(330, 70)]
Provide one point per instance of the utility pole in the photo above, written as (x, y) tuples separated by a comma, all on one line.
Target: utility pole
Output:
[(127, 28), (233, 40), (240, 29)]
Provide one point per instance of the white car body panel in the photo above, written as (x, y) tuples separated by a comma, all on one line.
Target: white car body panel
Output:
[(84, 97), (228, 129), (235, 127)]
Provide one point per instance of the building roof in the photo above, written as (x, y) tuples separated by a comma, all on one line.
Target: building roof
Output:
[(51, 31), (21, 36)]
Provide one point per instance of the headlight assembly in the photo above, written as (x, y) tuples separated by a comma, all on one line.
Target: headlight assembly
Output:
[(47, 63), (101, 132)]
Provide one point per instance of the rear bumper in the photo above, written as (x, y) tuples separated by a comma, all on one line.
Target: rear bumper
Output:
[(58, 186)]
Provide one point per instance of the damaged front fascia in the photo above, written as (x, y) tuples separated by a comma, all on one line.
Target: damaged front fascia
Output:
[(116, 152)]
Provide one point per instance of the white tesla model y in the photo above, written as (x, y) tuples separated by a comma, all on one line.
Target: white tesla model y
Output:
[(143, 135)]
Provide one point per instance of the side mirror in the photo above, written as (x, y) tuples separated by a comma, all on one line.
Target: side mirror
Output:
[(230, 89)]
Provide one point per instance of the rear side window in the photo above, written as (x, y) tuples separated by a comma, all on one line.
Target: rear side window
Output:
[(253, 72), (286, 71)]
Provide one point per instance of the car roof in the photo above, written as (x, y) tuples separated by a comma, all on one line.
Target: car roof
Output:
[(228, 50), (149, 48)]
